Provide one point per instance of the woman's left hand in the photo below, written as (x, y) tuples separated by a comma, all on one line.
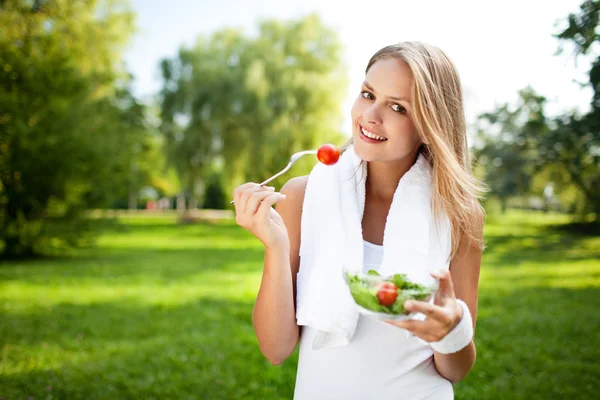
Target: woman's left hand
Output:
[(442, 316)]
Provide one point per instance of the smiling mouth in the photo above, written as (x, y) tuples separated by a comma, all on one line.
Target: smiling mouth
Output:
[(371, 135)]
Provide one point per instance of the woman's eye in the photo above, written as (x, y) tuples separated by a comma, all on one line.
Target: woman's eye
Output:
[(398, 108), (366, 95)]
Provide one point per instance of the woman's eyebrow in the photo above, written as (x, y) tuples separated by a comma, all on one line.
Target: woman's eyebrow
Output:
[(390, 97)]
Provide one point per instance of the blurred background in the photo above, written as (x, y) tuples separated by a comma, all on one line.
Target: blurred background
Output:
[(126, 125)]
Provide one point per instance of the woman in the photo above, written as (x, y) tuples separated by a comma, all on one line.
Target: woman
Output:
[(407, 119)]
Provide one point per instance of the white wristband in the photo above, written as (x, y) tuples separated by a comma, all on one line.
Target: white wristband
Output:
[(459, 337)]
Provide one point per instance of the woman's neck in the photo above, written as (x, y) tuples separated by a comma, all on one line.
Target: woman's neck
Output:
[(383, 178)]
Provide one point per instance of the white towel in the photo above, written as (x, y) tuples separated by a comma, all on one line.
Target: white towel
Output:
[(331, 237)]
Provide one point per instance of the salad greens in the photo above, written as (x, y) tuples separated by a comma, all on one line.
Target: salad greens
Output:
[(364, 291)]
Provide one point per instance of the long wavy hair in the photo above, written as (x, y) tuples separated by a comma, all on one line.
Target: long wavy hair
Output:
[(438, 115)]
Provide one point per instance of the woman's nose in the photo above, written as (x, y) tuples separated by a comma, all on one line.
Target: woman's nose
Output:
[(372, 114)]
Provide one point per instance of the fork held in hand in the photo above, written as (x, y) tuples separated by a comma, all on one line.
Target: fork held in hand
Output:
[(293, 159)]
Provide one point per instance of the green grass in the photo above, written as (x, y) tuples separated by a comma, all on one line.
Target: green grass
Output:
[(160, 310)]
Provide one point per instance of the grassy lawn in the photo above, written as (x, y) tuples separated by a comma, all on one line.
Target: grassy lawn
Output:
[(163, 311)]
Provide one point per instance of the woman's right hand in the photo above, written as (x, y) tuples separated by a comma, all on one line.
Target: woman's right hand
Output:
[(254, 212)]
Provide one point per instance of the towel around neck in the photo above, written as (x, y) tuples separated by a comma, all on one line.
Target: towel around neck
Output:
[(331, 239)]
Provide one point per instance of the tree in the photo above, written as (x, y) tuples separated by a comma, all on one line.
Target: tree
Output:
[(507, 148), (136, 151), (245, 104), (531, 144), (574, 144), (579, 136), (64, 124)]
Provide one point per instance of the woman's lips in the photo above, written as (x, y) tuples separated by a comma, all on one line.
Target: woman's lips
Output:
[(368, 139)]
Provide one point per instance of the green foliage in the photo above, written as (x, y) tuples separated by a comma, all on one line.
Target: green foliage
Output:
[(71, 135), (574, 145), (521, 151), (215, 195), (579, 136), (507, 149), (247, 103)]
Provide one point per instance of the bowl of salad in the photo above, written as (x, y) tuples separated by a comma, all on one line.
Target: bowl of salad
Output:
[(383, 297)]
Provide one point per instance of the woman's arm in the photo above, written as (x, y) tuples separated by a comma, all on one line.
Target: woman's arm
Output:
[(464, 272), (274, 314)]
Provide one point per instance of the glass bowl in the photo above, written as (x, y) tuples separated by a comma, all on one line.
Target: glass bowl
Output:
[(383, 297)]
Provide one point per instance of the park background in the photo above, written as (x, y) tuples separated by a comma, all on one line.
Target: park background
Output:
[(125, 126)]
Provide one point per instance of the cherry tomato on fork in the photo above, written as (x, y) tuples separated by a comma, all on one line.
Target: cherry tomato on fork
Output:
[(328, 154), (387, 294)]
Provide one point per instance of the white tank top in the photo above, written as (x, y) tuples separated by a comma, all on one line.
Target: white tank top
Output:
[(380, 362)]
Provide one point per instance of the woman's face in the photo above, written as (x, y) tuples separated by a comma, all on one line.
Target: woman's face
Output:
[(383, 129)]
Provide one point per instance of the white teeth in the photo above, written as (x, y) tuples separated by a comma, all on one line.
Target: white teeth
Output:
[(372, 135)]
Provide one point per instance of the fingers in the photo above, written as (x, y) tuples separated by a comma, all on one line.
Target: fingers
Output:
[(421, 329), (252, 202), (255, 199), (252, 206), (439, 321), (431, 310), (446, 289), (267, 203), (242, 194), (417, 328), (237, 195), (246, 195)]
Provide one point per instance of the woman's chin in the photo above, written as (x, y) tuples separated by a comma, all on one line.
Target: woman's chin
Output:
[(363, 151)]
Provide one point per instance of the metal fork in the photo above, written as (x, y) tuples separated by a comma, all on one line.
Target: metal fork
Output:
[(293, 159)]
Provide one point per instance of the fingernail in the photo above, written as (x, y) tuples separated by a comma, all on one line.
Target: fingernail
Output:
[(408, 304)]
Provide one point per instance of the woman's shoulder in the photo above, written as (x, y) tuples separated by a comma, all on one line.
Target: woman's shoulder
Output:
[(294, 191), (290, 209), (295, 187)]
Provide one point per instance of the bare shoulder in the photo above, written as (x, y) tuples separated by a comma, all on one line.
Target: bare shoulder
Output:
[(291, 208), (297, 183), (294, 190)]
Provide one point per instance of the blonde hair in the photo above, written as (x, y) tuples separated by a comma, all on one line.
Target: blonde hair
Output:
[(439, 118)]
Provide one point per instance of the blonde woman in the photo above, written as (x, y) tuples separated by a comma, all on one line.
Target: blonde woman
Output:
[(415, 202)]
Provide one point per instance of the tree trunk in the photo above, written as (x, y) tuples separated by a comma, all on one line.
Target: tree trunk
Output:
[(132, 202), (181, 203), (14, 245), (591, 196), (503, 204), (14, 248)]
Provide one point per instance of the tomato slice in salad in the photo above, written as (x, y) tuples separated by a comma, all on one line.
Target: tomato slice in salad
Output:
[(387, 294)]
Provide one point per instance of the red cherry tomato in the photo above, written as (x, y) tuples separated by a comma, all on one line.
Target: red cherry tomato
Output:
[(328, 154), (387, 294)]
